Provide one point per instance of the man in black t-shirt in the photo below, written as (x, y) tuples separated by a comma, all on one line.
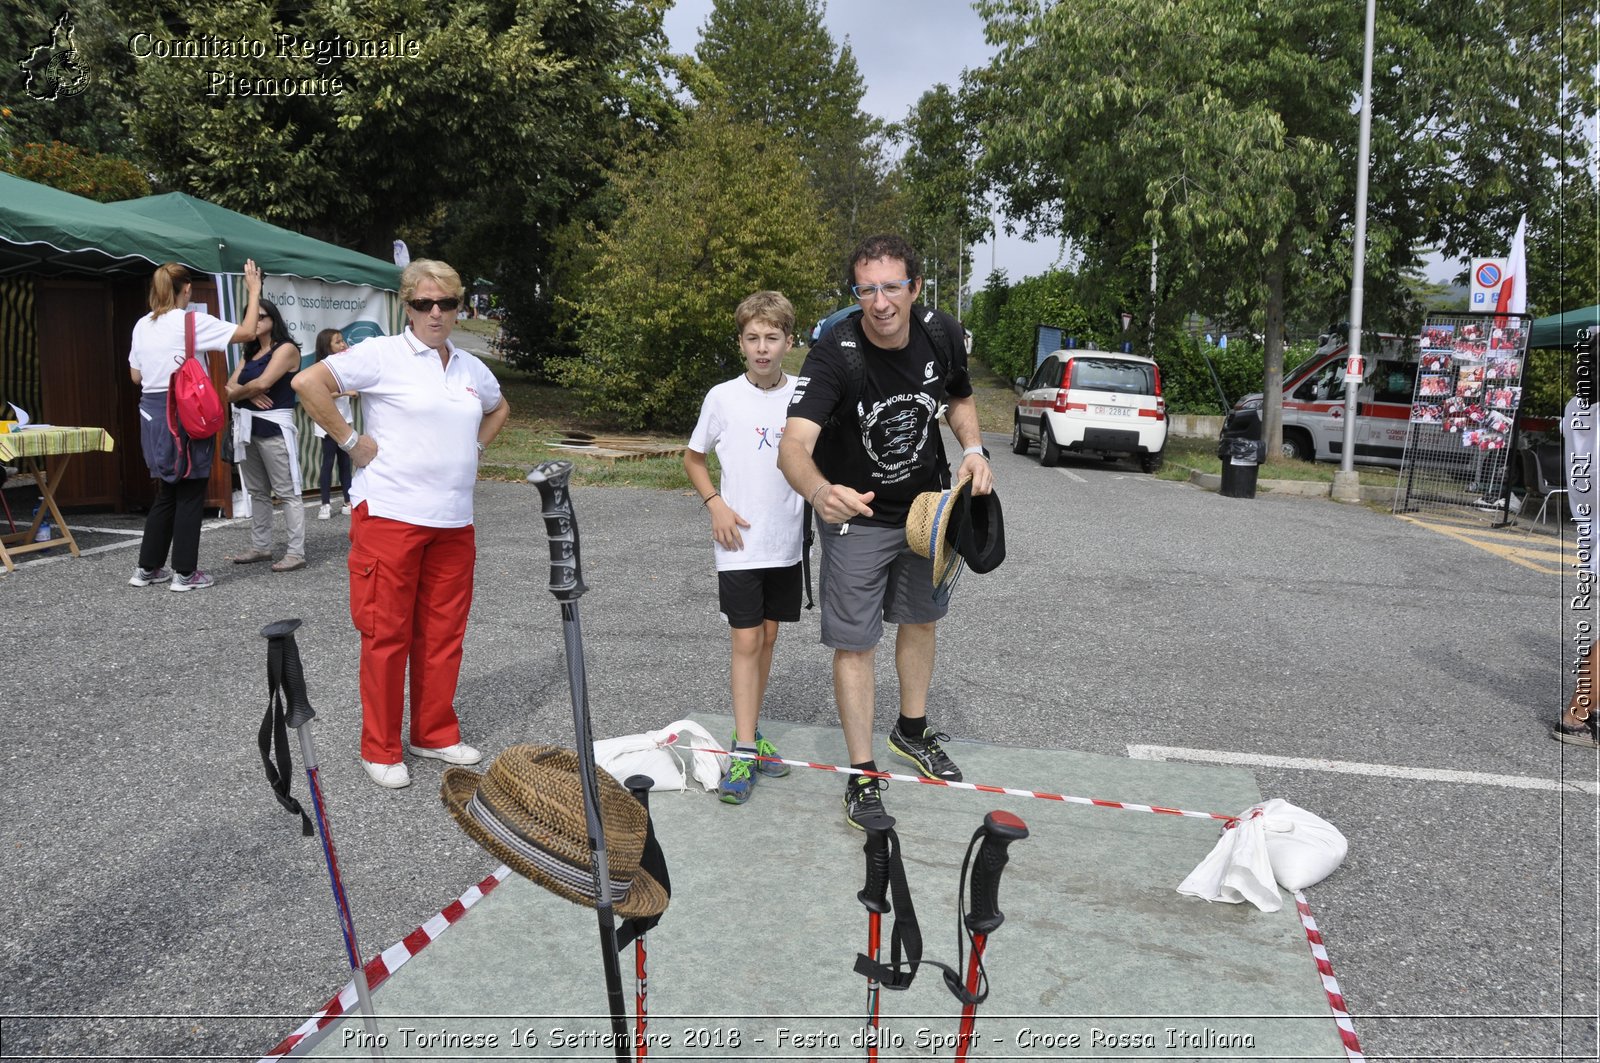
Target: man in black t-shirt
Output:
[(881, 449)]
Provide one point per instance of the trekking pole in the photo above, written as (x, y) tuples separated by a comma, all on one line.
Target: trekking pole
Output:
[(639, 786), (874, 896), (284, 670), (566, 583), (999, 830)]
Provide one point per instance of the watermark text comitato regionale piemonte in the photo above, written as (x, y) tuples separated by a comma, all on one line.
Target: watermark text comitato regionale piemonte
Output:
[(321, 52)]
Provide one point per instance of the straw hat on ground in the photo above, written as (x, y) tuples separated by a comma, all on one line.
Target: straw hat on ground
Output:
[(931, 531), (527, 810)]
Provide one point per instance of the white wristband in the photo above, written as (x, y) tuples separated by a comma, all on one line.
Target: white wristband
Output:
[(350, 444), (974, 450)]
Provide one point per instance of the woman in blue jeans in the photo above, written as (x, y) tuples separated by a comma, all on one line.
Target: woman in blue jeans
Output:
[(158, 348), (331, 341)]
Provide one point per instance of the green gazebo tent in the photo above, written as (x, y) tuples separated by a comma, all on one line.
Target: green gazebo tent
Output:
[(276, 251), (46, 231), (1561, 330)]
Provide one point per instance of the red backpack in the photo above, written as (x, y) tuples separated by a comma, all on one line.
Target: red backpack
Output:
[(194, 410)]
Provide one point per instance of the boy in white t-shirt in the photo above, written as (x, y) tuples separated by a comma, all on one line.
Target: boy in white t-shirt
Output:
[(755, 522)]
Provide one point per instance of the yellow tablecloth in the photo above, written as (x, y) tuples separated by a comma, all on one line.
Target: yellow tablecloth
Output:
[(46, 442)]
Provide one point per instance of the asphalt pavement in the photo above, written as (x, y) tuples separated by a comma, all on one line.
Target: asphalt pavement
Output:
[(1398, 682)]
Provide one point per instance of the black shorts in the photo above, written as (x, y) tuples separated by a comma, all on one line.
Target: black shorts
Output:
[(750, 596)]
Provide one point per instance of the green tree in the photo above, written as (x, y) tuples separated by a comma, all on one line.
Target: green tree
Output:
[(1563, 246), (725, 212), (470, 128), (774, 63), (942, 196), (1227, 132)]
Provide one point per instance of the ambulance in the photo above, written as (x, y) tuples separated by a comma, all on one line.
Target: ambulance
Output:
[(1313, 401)]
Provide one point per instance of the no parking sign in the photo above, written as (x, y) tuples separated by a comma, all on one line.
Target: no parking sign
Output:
[(1487, 276)]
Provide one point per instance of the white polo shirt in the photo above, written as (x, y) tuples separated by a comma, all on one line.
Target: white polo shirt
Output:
[(424, 416), (159, 345)]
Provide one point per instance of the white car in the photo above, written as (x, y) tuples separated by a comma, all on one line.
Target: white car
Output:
[(1092, 402)]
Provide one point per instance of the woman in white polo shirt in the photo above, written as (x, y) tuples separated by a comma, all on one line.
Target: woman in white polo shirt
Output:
[(156, 352), (430, 410)]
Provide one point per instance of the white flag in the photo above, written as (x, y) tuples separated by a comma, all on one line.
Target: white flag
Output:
[(1513, 297), (402, 257)]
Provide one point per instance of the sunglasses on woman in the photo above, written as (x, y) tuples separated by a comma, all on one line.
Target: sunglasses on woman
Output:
[(425, 306)]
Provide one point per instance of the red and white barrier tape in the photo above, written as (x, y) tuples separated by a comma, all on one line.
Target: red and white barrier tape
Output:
[(1330, 984), (380, 967), (981, 788)]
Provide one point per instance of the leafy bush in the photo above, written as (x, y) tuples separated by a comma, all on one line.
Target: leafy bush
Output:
[(726, 212), (83, 173), (1008, 346)]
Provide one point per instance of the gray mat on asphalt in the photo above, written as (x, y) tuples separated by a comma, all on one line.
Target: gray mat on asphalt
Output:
[(754, 957)]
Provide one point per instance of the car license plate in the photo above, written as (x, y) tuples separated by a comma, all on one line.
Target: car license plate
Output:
[(1113, 411)]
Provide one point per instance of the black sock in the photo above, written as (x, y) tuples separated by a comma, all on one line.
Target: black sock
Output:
[(912, 726), (865, 765)]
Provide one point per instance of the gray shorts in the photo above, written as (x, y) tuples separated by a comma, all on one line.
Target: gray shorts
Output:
[(867, 576)]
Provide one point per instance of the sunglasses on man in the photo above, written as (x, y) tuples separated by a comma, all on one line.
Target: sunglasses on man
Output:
[(425, 306)]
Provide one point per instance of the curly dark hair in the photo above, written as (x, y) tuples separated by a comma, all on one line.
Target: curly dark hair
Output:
[(884, 245)]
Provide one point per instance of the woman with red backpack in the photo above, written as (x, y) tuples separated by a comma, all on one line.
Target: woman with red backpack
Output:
[(160, 345)]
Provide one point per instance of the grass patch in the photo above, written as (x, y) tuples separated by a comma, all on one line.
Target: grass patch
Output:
[(1184, 453), (542, 413), (479, 326)]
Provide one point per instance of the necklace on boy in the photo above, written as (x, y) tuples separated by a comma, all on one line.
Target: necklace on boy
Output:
[(772, 387)]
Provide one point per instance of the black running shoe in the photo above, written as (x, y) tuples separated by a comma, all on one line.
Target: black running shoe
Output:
[(862, 801), (926, 753)]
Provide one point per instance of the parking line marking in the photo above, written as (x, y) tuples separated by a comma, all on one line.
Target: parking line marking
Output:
[(1517, 556), (1069, 474), (1350, 767)]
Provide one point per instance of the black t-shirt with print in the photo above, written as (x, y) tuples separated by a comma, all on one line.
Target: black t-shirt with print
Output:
[(889, 444)]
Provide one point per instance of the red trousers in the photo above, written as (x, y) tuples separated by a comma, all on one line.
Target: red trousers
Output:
[(410, 592)]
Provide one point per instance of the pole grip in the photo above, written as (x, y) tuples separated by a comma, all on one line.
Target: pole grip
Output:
[(999, 830), (566, 567), (282, 632), (640, 786), (874, 896)]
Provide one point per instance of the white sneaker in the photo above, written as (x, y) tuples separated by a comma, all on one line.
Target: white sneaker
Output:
[(143, 577), (194, 581), (345, 512), (460, 753), (392, 776), (324, 512)]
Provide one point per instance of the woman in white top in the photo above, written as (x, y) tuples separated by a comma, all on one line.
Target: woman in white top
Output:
[(429, 409), (158, 348)]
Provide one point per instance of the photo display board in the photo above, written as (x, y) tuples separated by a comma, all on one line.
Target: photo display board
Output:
[(1468, 392)]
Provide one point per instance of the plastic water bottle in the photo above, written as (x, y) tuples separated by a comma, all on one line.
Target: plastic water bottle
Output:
[(46, 530)]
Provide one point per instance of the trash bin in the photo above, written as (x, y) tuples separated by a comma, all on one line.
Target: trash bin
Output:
[(1241, 452)]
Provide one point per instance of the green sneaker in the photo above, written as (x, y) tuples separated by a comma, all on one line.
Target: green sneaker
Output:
[(774, 768), (737, 781)]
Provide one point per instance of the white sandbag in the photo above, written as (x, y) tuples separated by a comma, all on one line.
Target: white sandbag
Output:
[(671, 756), (1302, 847), (1237, 869)]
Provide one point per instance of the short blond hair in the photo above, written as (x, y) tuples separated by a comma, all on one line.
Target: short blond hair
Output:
[(440, 273), (770, 307)]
